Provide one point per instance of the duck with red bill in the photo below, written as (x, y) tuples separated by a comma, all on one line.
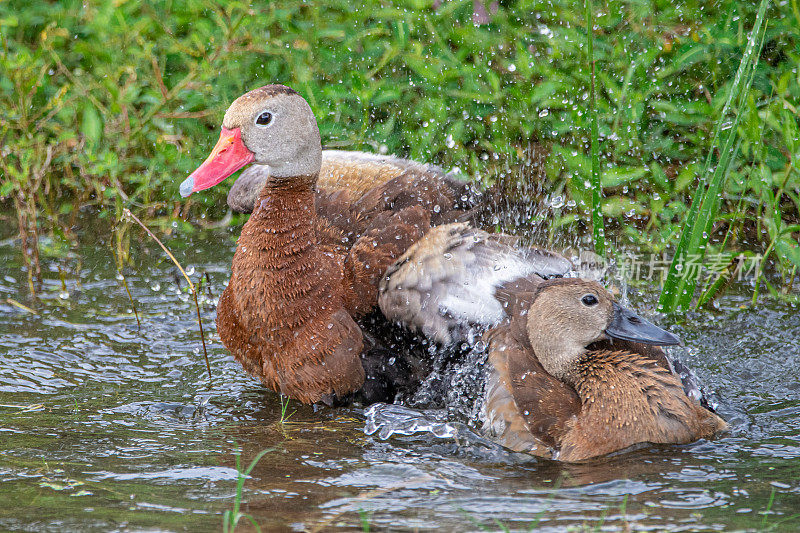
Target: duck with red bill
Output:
[(229, 155)]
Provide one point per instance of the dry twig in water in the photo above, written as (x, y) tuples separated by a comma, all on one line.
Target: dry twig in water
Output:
[(126, 213)]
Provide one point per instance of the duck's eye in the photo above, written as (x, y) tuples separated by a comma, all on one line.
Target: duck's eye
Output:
[(264, 118), (589, 299)]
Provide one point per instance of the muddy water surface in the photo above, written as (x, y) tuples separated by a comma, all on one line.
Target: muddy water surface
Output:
[(108, 427)]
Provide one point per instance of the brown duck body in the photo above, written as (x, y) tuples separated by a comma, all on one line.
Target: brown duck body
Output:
[(302, 274), (651, 406), (325, 226), (279, 315), (570, 374), (613, 395)]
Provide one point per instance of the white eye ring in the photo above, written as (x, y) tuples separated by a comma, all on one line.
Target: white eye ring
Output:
[(264, 118)]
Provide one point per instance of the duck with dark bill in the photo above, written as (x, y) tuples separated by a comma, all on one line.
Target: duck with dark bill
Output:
[(570, 373)]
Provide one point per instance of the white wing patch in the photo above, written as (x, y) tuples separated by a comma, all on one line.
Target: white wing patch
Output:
[(444, 285), (471, 298)]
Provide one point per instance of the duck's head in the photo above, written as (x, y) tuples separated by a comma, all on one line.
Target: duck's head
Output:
[(569, 314), (273, 126)]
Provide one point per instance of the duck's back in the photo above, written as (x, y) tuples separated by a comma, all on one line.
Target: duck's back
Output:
[(358, 172), (371, 183), (629, 398)]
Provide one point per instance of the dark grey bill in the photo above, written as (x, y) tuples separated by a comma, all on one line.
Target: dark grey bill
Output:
[(629, 326)]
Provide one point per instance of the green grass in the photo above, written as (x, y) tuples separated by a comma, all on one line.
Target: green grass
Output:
[(285, 409), (113, 105), (679, 288), (230, 519), (598, 232), (364, 518)]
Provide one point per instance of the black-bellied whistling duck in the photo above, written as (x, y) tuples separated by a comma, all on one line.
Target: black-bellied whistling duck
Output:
[(308, 261), (568, 378)]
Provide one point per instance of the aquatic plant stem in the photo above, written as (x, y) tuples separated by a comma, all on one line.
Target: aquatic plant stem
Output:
[(598, 231), (130, 297), (126, 213), (25, 308)]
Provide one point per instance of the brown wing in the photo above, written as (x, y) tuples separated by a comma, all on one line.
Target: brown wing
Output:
[(387, 237), (542, 405), (546, 403), (444, 197), (692, 385), (334, 209), (628, 399)]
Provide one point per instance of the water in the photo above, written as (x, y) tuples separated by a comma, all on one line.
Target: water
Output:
[(105, 427)]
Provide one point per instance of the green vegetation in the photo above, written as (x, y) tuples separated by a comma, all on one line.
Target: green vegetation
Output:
[(598, 232), (112, 104), (681, 281), (230, 519), (284, 409)]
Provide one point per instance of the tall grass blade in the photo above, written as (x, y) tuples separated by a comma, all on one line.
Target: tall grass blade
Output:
[(681, 282), (231, 518), (598, 231)]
